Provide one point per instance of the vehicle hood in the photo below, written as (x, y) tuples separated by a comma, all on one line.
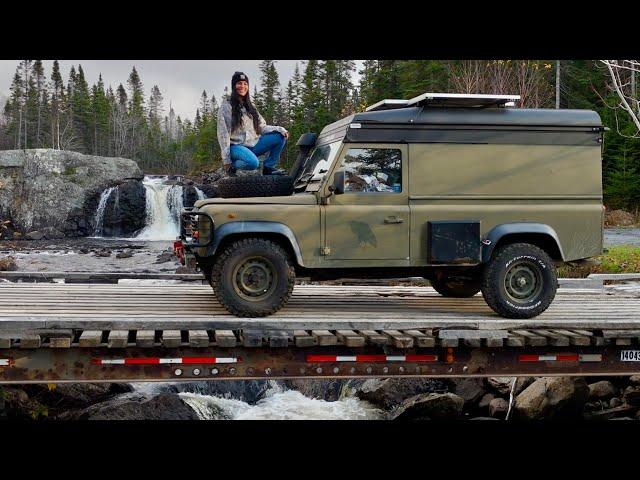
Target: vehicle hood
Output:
[(298, 199)]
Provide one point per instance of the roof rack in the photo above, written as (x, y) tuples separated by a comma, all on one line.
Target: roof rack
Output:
[(468, 100)]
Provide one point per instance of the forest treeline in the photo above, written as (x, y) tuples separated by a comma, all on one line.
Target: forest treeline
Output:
[(45, 110)]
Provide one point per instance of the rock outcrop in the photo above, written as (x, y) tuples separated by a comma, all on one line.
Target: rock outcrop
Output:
[(135, 406), (44, 188), (552, 397), (124, 213), (430, 406)]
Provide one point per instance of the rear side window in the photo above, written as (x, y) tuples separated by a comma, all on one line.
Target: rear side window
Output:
[(372, 170)]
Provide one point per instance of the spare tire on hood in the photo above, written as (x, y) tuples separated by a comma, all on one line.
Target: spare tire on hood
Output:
[(255, 186)]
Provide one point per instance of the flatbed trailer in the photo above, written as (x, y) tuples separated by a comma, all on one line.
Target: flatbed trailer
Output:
[(75, 332)]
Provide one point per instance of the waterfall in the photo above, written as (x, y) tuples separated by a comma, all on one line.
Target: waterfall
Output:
[(163, 205), (100, 212)]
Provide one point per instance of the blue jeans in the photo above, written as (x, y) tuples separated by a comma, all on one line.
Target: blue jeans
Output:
[(246, 158)]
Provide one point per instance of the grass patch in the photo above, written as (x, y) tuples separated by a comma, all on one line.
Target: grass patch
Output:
[(69, 171), (619, 259)]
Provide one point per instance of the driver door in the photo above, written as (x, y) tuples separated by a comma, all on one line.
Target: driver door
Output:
[(370, 220)]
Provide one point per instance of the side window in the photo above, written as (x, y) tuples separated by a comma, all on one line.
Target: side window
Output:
[(372, 170)]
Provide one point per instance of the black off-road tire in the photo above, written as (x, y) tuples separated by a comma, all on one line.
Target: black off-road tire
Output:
[(228, 286), (255, 186), (503, 269), (451, 286)]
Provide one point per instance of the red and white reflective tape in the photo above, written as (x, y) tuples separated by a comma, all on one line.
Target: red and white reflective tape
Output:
[(371, 358), (596, 357), (160, 361), (5, 362)]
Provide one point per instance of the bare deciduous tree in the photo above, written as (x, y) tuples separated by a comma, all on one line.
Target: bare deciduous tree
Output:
[(528, 78), (622, 76)]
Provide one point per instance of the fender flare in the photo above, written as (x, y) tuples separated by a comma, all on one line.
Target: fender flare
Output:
[(499, 231), (232, 228)]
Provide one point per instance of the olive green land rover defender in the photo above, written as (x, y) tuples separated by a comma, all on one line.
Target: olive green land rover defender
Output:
[(462, 190)]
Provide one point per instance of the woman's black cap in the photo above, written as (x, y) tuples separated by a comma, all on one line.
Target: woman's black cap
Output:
[(238, 76)]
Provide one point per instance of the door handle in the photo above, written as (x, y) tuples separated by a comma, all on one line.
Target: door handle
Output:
[(393, 219)]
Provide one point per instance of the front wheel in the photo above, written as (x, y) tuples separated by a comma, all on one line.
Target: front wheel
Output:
[(253, 277), (520, 281)]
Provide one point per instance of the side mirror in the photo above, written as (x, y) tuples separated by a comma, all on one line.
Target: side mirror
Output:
[(337, 187)]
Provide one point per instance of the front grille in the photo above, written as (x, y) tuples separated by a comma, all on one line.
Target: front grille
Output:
[(189, 224)]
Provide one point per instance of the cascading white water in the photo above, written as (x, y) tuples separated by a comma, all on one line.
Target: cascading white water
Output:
[(100, 211), (281, 404), (163, 205)]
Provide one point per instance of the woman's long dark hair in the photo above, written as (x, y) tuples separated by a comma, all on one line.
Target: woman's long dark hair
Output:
[(236, 112)]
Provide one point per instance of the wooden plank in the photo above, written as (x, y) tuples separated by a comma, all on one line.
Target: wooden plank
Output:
[(623, 341), (421, 339), (145, 338), (324, 337), (198, 338), (350, 338), (225, 338), (251, 338), (171, 338), (494, 342), (585, 333), (621, 333), (574, 338), (399, 339), (59, 342), (531, 338), (280, 338), (303, 339), (118, 339), (515, 340), (553, 338), (30, 341), (90, 338)]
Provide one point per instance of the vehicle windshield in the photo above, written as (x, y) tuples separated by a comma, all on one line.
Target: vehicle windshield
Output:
[(319, 162)]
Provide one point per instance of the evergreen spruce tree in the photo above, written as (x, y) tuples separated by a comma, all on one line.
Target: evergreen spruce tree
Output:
[(57, 104), (136, 112), (270, 95), (14, 110), (82, 115), (41, 102)]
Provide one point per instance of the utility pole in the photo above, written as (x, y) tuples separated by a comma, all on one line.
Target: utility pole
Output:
[(557, 84)]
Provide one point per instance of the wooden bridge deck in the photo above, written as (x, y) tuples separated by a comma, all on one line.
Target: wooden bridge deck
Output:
[(32, 306)]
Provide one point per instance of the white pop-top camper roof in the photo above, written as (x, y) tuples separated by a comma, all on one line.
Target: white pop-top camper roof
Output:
[(468, 100)]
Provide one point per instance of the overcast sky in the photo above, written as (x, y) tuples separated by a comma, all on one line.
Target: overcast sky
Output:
[(180, 81)]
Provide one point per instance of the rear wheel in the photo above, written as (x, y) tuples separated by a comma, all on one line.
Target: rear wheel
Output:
[(456, 286), (253, 277), (520, 281)]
